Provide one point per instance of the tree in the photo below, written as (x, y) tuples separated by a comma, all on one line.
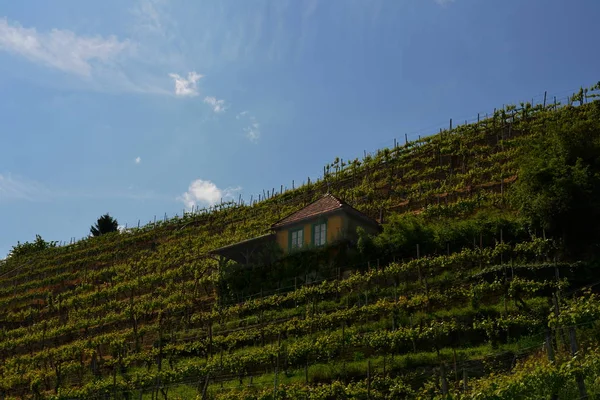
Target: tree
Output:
[(27, 248), (105, 224), (558, 188)]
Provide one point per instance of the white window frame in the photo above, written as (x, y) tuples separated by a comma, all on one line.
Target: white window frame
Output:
[(296, 238), (319, 232)]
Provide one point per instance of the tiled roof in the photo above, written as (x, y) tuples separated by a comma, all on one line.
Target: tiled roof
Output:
[(323, 205)]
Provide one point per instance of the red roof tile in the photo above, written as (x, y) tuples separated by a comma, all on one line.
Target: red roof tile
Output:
[(325, 204)]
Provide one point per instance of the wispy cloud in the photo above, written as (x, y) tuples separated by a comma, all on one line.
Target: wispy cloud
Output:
[(444, 2), (150, 17), (252, 130), (205, 193), (186, 87), (137, 63), (18, 188), (217, 106), (138, 160), (61, 49)]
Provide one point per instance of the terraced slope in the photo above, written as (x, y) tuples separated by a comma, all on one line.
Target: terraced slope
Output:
[(143, 313)]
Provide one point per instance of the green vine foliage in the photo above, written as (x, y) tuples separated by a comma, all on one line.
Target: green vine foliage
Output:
[(29, 249), (150, 312)]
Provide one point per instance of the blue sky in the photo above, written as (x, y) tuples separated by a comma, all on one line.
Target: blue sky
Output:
[(146, 107)]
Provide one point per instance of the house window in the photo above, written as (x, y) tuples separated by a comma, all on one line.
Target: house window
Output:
[(296, 238), (320, 234)]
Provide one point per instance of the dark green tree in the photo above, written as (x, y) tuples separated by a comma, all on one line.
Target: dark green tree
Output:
[(105, 224), (558, 186), (27, 248)]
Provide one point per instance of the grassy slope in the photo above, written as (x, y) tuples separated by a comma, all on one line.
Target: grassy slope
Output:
[(138, 310)]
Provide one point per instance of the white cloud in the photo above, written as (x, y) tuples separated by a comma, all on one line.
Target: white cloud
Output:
[(149, 17), (12, 188), (138, 63), (253, 131), (61, 49), (186, 87), (205, 193), (17, 188), (138, 160), (217, 106)]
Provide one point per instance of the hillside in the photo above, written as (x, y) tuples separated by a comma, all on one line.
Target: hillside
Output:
[(459, 295)]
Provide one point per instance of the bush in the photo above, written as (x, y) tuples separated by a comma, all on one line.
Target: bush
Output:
[(403, 232), (558, 189), (23, 249)]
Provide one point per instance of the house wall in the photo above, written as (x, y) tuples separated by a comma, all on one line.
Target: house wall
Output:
[(283, 236), (353, 223), (282, 240), (337, 227)]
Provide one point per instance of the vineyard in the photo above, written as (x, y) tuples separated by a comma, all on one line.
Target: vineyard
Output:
[(474, 303)]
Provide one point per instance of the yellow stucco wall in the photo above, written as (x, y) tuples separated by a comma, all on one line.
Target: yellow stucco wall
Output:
[(336, 225), (282, 240), (282, 237)]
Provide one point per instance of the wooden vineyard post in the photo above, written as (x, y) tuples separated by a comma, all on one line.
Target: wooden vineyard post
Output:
[(210, 340), (443, 378), (480, 248), (545, 94), (343, 336), (578, 376), (550, 351), (549, 348), (277, 366), (557, 314), (455, 366), (465, 383), (412, 337), (368, 379), (418, 266), (204, 397), (306, 371)]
